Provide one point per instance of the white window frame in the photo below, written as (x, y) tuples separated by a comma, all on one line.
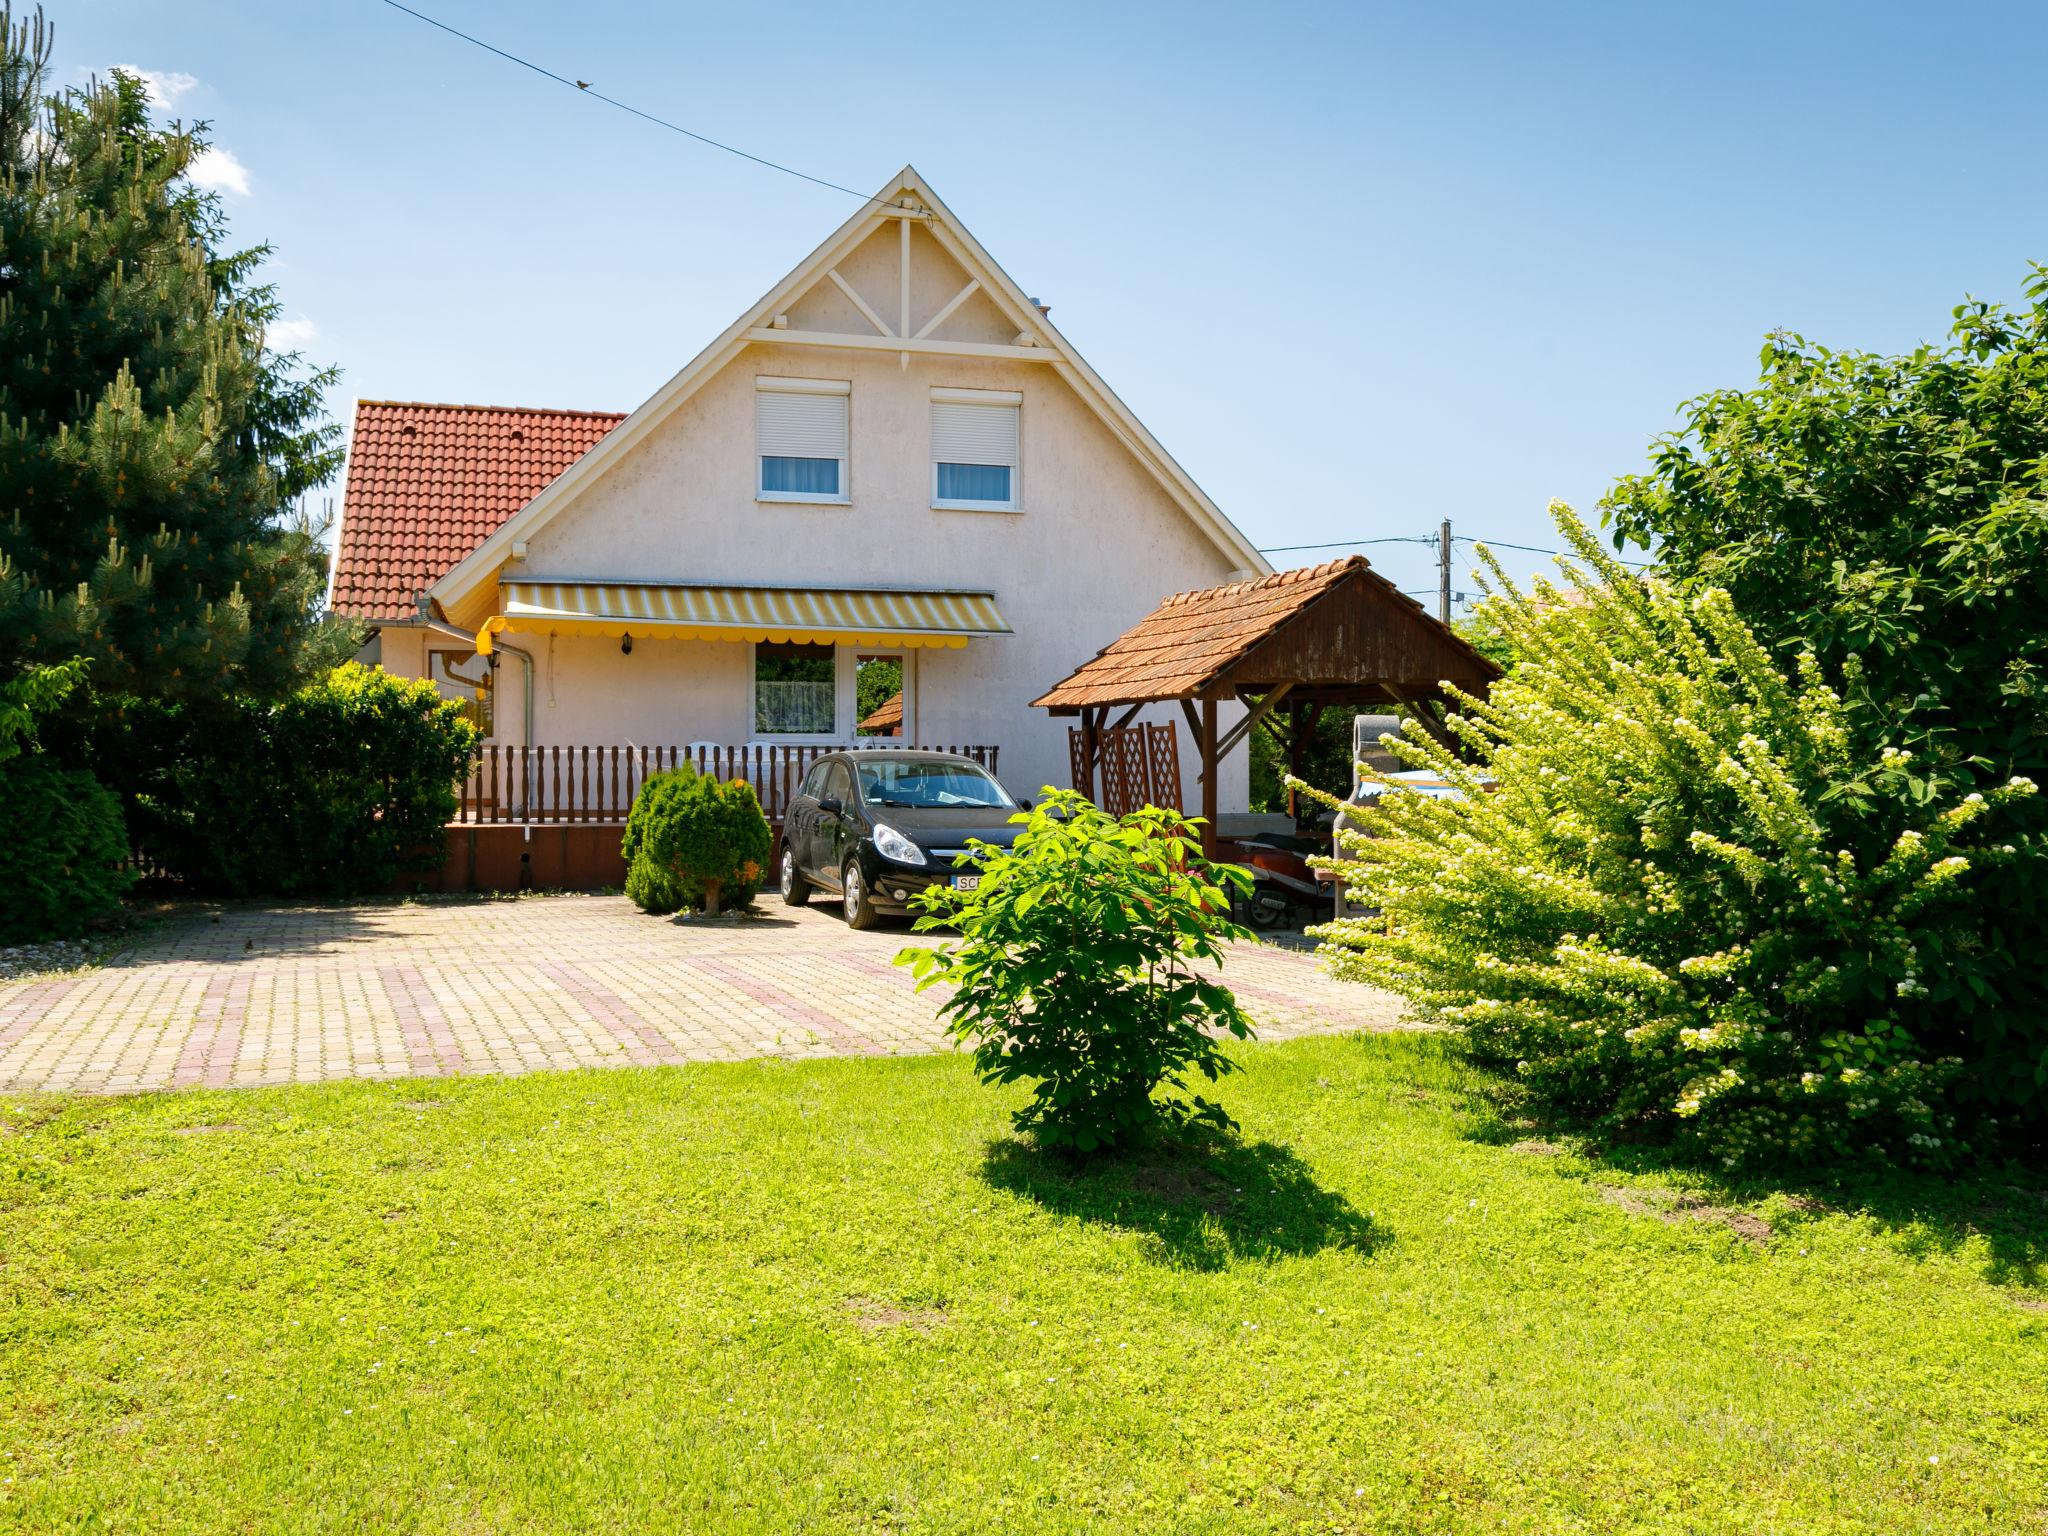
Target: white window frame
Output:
[(1014, 400), (773, 384)]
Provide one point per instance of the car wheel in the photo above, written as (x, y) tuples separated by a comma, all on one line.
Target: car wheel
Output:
[(796, 890), (860, 907)]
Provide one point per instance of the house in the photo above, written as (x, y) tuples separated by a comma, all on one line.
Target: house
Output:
[(893, 458)]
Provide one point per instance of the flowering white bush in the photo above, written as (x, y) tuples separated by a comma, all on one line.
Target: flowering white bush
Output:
[(1648, 903)]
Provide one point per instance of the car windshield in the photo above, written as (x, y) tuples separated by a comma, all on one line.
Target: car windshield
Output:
[(912, 783)]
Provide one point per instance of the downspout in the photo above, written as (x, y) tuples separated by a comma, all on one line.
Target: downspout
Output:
[(434, 619)]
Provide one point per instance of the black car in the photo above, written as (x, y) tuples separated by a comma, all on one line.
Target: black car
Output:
[(878, 826)]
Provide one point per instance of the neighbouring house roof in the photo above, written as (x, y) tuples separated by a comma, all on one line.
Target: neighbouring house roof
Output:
[(1340, 626), (887, 716), (428, 483), (464, 590)]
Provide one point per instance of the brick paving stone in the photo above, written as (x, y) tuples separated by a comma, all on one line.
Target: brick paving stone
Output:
[(272, 994)]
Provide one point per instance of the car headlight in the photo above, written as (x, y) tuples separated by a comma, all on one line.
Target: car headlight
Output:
[(893, 845)]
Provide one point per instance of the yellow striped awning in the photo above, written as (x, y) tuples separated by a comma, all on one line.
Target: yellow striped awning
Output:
[(676, 611)]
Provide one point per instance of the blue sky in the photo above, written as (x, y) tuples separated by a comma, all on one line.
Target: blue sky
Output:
[(1359, 267)]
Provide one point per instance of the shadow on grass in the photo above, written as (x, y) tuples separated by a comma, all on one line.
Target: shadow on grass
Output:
[(1201, 1203), (1921, 1215)]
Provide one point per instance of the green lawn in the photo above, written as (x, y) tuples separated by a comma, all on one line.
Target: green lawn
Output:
[(834, 1297)]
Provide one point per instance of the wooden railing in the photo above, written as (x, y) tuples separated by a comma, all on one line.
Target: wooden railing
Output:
[(595, 785)]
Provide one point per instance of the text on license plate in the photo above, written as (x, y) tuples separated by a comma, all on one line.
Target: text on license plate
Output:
[(966, 882)]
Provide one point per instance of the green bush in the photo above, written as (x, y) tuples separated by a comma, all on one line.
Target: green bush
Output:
[(337, 790), (1074, 969), (694, 841), (63, 862), (1645, 904), (1890, 515)]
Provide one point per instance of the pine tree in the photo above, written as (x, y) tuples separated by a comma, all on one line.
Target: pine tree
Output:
[(150, 448)]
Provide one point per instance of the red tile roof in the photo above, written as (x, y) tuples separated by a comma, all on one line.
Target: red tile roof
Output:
[(1188, 644), (887, 720), (428, 483)]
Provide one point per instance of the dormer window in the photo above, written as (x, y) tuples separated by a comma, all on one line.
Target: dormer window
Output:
[(974, 449), (800, 431)]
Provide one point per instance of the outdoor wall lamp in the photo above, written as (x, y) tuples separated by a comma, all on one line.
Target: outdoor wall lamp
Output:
[(626, 646)]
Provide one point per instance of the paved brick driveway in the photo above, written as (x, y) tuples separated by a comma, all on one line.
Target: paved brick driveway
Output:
[(302, 994)]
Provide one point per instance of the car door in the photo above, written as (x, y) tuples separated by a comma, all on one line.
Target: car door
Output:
[(832, 834), (799, 822)]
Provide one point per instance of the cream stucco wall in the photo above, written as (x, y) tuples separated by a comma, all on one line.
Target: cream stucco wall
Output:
[(1097, 543)]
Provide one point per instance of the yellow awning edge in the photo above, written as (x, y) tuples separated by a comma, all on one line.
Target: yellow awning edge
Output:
[(904, 617)]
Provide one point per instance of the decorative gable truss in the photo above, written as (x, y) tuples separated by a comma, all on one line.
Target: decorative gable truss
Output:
[(902, 275), (907, 287)]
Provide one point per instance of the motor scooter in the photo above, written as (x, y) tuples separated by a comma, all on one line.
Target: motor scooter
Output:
[(1284, 891)]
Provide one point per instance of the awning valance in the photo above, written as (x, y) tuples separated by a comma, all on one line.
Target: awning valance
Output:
[(676, 611)]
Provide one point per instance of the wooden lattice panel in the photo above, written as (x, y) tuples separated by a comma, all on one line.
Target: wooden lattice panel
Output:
[(1162, 754), (1077, 758)]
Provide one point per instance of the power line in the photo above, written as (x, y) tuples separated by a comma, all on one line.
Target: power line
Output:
[(584, 88), (1462, 538), (1466, 538), (1285, 549)]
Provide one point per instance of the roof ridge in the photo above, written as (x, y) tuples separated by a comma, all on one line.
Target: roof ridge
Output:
[(513, 410), (1289, 578)]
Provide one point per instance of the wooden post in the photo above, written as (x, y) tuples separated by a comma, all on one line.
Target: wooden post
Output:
[(1293, 755), (1208, 746), (1091, 748)]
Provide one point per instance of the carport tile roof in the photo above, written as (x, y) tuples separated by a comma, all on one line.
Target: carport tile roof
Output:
[(1189, 640), (428, 483)]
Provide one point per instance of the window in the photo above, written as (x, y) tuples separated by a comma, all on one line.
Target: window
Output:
[(800, 433), (959, 786), (974, 448), (465, 677), (814, 781), (839, 783), (795, 690)]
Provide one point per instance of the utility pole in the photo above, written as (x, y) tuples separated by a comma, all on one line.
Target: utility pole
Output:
[(1443, 572)]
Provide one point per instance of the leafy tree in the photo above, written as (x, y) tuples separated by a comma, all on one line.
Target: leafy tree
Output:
[(1076, 969), (1651, 905), (1890, 516), (1325, 760), (28, 697), (150, 447)]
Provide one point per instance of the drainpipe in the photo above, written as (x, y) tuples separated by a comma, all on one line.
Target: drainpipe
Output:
[(434, 619)]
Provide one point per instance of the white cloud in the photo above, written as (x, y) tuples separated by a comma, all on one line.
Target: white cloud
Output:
[(289, 335), (165, 85), (217, 170)]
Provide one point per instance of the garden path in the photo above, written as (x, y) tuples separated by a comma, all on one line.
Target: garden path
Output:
[(245, 994)]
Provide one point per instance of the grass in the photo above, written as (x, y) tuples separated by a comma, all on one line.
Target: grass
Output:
[(836, 1297)]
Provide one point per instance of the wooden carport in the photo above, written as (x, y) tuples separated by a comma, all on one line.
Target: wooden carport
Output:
[(1287, 647)]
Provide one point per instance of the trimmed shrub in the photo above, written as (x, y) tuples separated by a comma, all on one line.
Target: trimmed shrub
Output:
[(695, 841), (338, 790), (1651, 905), (63, 862), (1075, 970)]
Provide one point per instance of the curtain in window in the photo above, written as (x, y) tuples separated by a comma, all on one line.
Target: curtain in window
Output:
[(974, 482), (795, 690), (807, 477)]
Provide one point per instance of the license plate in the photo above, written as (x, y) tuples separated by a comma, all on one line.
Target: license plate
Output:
[(966, 882)]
